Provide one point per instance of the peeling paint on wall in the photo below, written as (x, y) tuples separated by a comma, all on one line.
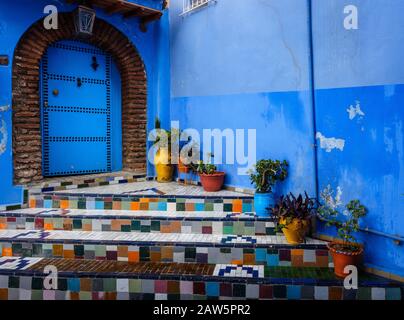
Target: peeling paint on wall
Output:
[(3, 141), (4, 108), (330, 144), (355, 111)]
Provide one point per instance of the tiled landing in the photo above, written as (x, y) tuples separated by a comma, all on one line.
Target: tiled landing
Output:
[(23, 278)]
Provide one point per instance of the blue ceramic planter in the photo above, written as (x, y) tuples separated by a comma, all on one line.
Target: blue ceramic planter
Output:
[(262, 201)]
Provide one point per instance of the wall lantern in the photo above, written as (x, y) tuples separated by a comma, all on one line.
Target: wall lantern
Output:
[(84, 18)]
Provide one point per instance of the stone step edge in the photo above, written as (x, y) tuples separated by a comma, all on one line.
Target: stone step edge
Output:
[(140, 243), (57, 195), (213, 269), (140, 215)]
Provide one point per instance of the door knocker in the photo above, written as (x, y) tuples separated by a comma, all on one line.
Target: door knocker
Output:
[(95, 64), (79, 82)]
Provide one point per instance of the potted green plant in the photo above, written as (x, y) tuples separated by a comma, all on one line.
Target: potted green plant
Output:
[(264, 177), (346, 251), (292, 215), (211, 179)]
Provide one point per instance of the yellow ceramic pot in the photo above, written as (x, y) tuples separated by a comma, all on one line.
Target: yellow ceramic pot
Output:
[(295, 232), (164, 168)]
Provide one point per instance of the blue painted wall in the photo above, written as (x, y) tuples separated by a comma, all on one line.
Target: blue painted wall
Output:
[(243, 65), (364, 67), (16, 17), (246, 64)]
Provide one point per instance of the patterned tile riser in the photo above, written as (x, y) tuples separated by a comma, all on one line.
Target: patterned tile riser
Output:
[(143, 204), (139, 225), (32, 288), (180, 254)]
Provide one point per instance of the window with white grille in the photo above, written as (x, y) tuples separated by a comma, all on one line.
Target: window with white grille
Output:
[(193, 5)]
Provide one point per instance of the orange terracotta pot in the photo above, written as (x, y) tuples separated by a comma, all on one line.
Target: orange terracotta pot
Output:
[(212, 182), (343, 258)]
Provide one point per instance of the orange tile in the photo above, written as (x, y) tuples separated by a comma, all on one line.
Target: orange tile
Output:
[(190, 207), (110, 296), (64, 204), (237, 205), (134, 206), (68, 254), (116, 205), (122, 251), (48, 226), (32, 203), (297, 261), (87, 227), (3, 226), (167, 253), (133, 256), (144, 206), (3, 294), (249, 258), (85, 284), (144, 200), (155, 256), (335, 293), (237, 262), (74, 296), (322, 261), (57, 250), (115, 225), (297, 252), (175, 226), (7, 252)]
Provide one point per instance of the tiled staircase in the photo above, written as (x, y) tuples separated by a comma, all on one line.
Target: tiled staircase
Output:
[(150, 245)]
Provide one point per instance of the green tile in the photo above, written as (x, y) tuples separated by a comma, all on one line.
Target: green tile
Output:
[(145, 229), (79, 250), (36, 295), (109, 285), (107, 205), (77, 224), (364, 293), (135, 225), (155, 226), (181, 206), (125, 228), (227, 230), (84, 295), (208, 206), (393, 294), (227, 207), (100, 251), (135, 285)]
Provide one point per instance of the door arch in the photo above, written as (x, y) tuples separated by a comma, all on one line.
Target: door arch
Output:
[(27, 137)]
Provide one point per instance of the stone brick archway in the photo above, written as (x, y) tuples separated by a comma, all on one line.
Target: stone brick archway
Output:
[(27, 144)]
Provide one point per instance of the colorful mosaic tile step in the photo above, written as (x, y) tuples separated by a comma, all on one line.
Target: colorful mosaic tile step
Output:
[(273, 256), (136, 221), (142, 203), (177, 281)]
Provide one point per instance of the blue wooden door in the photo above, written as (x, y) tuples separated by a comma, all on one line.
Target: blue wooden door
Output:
[(77, 112)]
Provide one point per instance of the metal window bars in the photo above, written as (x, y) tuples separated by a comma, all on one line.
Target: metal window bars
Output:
[(193, 5)]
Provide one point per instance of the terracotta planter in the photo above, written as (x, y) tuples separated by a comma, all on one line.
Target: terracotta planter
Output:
[(296, 231), (212, 182), (344, 258)]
